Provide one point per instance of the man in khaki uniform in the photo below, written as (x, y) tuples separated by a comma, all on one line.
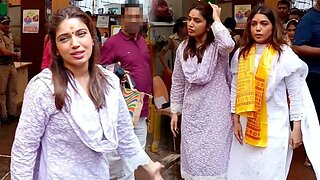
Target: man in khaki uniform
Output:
[(8, 73)]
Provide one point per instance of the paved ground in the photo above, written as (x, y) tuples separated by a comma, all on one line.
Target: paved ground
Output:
[(169, 158)]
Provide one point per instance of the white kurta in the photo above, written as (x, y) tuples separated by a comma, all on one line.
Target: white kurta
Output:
[(287, 74)]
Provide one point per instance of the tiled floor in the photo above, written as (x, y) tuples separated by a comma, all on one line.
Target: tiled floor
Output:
[(171, 172), (6, 139)]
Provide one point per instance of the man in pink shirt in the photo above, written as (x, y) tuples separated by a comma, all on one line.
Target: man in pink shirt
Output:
[(130, 49)]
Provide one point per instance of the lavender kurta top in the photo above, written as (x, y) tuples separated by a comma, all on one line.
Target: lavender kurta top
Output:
[(202, 93), (72, 143)]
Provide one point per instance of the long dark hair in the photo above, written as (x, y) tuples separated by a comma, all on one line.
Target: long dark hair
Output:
[(191, 50), (60, 74), (277, 37)]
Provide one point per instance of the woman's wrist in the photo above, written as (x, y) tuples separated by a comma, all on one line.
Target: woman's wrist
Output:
[(297, 125), (217, 19), (174, 114)]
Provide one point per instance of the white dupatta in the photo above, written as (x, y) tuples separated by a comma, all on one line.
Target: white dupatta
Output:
[(95, 128)]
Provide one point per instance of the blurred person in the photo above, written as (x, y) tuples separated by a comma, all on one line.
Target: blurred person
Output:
[(144, 28), (283, 10), (74, 114), (291, 28), (129, 48), (180, 33), (201, 93), (104, 38), (295, 13), (307, 46), (231, 23), (264, 70), (8, 73)]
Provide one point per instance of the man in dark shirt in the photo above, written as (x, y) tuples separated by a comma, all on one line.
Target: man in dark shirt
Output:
[(130, 49), (283, 10), (307, 45)]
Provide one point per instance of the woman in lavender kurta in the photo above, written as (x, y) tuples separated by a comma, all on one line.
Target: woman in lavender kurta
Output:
[(73, 114), (201, 92)]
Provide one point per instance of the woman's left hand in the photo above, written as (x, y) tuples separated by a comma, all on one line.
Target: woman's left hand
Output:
[(295, 136), (153, 170), (216, 11)]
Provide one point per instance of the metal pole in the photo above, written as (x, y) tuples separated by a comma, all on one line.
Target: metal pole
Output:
[(93, 7)]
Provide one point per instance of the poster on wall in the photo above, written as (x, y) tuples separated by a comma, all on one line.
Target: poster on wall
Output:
[(115, 29), (241, 14), (103, 21), (30, 21)]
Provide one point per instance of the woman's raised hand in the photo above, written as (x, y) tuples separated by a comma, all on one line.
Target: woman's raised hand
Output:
[(216, 11)]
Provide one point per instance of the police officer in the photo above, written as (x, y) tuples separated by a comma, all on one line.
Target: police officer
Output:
[(8, 73)]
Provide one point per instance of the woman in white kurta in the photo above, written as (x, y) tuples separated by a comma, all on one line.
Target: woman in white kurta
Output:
[(286, 73), (74, 113)]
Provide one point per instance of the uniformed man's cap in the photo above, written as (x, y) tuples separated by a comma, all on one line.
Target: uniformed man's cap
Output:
[(4, 19)]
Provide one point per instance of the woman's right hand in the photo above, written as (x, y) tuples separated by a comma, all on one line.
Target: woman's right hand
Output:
[(237, 128), (153, 169), (174, 124)]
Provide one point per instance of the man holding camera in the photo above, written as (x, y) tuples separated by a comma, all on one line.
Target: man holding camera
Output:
[(130, 49), (8, 73)]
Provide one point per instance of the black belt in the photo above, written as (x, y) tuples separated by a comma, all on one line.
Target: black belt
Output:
[(5, 60)]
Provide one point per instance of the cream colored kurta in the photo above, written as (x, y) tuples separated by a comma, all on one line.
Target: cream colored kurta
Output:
[(287, 74)]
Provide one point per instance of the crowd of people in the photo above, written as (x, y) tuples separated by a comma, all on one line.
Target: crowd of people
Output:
[(246, 102)]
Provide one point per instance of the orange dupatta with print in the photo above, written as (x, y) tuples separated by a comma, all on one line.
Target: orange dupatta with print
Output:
[(251, 95)]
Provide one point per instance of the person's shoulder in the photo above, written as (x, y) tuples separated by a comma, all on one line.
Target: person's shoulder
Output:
[(288, 54), (113, 38), (42, 82), (310, 16), (290, 61), (184, 42), (44, 75), (112, 42), (182, 45), (174, 36), (285, 47)]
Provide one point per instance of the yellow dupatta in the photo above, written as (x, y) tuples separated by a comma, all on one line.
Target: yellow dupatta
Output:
[(251, 95)]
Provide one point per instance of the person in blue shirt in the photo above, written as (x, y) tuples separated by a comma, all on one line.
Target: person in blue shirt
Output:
[(307, 45)]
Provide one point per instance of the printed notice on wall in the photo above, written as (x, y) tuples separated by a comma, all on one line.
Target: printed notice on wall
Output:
[(241, 14), (103, 21), (30, 21)]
